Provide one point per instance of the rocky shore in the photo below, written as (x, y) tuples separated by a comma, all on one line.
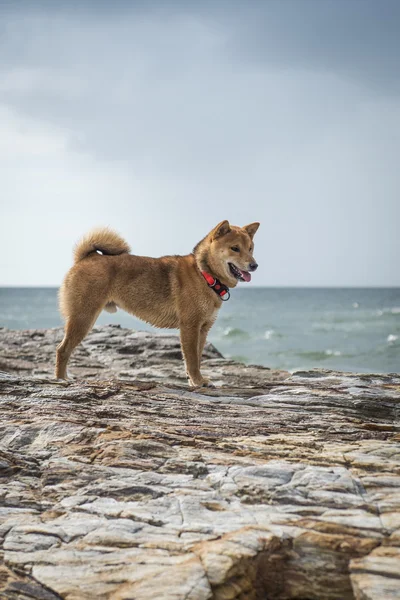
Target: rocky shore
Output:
[(122, 483)]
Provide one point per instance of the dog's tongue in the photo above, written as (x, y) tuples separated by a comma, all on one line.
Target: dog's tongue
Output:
[(246, 275)]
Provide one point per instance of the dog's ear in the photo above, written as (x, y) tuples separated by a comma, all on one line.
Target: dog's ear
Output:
[(251, 229), (221, 229)]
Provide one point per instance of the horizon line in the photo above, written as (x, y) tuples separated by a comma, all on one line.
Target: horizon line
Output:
[(252, 287)]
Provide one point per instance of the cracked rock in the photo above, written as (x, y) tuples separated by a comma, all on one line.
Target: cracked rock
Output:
[(123, 483)]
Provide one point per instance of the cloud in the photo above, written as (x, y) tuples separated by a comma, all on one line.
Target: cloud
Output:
[(163, 122), (357, 39)]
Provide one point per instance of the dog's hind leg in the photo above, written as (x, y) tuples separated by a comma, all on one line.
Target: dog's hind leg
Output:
[(76, 329)]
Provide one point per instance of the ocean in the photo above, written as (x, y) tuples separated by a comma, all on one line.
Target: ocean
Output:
[(350, 329)]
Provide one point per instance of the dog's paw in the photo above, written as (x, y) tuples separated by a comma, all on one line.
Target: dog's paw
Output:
[(207, 383), (202, 383)]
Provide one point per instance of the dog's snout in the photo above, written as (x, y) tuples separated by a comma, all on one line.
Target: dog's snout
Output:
[(253, 266)]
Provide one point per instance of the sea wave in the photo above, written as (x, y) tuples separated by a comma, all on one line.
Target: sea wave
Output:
[(346, 326), (235, 332), (395, 310), (319, 354)]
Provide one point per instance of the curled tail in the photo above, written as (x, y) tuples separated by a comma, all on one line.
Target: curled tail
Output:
[(103, 239)]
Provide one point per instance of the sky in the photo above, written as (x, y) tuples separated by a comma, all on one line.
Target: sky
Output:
[(162, 118)]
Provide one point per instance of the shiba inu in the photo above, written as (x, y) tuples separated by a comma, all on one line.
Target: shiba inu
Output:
[(182, 292)]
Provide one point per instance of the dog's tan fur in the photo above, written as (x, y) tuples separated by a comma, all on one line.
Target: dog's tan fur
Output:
[(166, 292)]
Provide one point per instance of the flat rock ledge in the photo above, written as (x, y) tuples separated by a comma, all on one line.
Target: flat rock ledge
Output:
[(125, 484)]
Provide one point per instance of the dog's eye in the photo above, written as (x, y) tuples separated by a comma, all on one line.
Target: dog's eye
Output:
[(235, 248)]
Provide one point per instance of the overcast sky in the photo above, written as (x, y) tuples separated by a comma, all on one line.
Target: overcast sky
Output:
[(161, 119)]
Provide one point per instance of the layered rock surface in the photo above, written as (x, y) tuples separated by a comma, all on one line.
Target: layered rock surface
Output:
[(125, 484)]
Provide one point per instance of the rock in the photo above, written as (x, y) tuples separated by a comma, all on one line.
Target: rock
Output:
[(377, 574), (124, 483)]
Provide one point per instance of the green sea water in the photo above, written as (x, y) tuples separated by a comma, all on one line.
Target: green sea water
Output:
[(291, 328)]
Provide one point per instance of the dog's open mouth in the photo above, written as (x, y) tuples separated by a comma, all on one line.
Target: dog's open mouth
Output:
[(238, 273)]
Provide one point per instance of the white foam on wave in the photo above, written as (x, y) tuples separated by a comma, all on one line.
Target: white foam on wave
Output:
[(333, 352), (235, 332), (391, 338), (355, 305), (394, 310), (269, 333), (347, 327)]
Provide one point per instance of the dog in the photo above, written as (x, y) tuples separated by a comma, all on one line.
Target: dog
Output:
[(177, 292)]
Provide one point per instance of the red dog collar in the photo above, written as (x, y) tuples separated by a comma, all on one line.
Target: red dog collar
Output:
[(218, 287)]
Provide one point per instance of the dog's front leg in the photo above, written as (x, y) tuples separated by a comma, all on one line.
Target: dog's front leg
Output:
[(204, 329), (190, 342)]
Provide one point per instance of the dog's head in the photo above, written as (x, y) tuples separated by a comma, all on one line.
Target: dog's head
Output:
[(231, 250)]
